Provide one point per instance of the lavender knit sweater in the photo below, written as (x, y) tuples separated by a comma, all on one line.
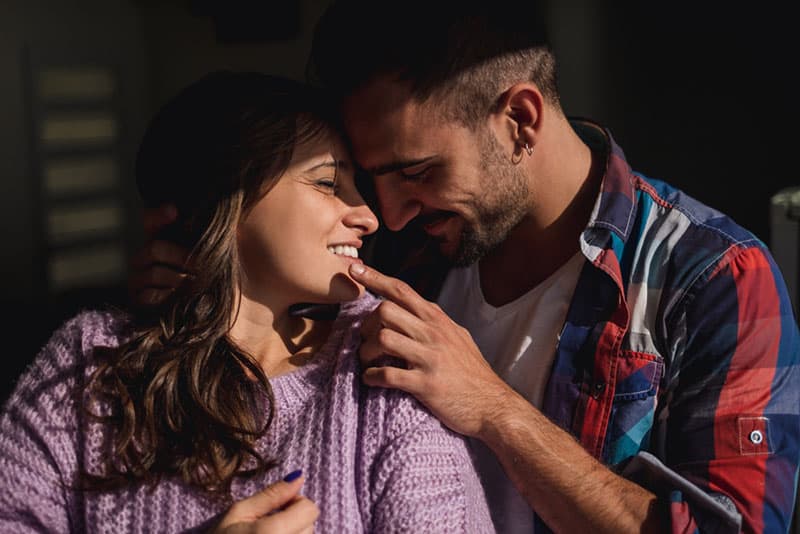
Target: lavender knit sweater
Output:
[(375, 460)]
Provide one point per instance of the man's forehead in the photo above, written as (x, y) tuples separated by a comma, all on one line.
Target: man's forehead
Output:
[(383, 128), (380, 94)]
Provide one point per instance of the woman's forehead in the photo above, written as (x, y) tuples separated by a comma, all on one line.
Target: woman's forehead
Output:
[(326, 145)]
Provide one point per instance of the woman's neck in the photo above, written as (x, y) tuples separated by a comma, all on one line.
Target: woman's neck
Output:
[(279, 342)]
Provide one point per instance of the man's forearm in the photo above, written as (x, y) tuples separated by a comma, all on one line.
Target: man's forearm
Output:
[(569, 489)]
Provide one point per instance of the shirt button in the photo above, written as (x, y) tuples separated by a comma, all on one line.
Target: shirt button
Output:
[(756, 436)]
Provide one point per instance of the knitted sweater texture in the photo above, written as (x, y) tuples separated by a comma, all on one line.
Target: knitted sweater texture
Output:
[(375, 460)]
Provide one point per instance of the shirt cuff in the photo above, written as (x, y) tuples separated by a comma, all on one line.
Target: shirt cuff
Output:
[(688, 505)]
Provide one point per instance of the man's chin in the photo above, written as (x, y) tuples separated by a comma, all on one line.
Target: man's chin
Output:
[(467, 251), (455, 255), (448, 250), (461, 251)]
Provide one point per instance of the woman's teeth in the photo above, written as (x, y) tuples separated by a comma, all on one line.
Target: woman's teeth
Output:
[(344, 250)]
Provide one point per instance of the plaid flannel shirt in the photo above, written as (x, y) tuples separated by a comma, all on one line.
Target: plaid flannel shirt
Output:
[(678, 360), (677, 365)]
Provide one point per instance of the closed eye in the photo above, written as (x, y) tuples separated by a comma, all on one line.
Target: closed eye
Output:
[(414, 177), (327, 184)]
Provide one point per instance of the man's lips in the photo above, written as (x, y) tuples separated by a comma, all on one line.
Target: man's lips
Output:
[(434, 224)]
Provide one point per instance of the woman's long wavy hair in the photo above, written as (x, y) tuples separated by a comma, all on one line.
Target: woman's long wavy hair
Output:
[(180, 397)]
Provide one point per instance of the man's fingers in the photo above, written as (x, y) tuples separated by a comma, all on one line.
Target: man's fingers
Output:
[(297, 517), (388, 342), (164, 252), (391, 315), (150, 296), (157, 277), (156, 271), (152, 286), (408, 380), (389, 288), (154, 219)]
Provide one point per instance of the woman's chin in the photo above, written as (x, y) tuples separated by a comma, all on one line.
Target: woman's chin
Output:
[(344, 289)]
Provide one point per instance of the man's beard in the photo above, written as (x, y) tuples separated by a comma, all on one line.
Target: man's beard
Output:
[(502, 206)]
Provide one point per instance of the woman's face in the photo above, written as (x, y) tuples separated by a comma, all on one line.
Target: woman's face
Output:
[(298, 241)]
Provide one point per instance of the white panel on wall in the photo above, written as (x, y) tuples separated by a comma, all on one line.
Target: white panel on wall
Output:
[(83, 214), (78, 129), (76, 84), (80, 174), (79, 221), (86, 266)]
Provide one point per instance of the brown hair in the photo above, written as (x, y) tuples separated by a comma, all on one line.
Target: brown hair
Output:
[(459, 55), (185, 400)]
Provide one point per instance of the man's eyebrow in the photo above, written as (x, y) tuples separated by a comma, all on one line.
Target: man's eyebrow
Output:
[(396, 166)]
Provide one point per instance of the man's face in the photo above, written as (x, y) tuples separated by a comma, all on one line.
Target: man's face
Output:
[(455, 183)]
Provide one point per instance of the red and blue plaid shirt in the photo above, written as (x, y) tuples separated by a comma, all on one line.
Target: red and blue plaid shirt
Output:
[(677, 365), (680, 343)]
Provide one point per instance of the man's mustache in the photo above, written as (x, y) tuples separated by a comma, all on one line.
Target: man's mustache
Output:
[(425, 219)]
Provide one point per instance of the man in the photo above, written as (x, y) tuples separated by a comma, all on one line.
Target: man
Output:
[(624, 357)]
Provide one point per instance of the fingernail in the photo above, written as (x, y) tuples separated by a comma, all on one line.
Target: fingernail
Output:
[(293, 475), (357, 268)]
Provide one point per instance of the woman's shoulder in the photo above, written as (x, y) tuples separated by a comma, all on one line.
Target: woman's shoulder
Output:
[(67, 354), (394, 416), (79, 335)]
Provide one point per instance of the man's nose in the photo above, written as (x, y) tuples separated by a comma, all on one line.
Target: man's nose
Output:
[(398, 206)]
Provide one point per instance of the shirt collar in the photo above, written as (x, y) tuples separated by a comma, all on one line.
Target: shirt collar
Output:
[(614, 207)]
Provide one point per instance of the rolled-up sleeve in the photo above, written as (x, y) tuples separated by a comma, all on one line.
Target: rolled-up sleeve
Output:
[(730, 419)]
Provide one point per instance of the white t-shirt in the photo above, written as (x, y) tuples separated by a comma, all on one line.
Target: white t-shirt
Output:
[(519, 341)]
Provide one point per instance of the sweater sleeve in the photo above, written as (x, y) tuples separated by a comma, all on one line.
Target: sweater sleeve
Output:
[(423, 479), (38, 436)]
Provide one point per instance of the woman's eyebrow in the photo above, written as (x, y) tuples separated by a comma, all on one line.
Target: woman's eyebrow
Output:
[(325, 164)]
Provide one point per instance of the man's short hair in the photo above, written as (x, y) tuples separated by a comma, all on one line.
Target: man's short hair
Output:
[(463, 53)]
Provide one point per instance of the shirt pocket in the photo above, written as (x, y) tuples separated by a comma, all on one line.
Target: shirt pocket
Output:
[(635, 396)]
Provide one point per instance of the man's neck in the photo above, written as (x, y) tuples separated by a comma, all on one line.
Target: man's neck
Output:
[(565, 188)]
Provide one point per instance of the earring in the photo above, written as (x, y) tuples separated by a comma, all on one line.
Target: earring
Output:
[(528, 149), (515, 158)]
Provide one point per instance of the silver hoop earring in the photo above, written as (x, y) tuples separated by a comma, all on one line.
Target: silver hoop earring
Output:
[(516, 156), (528, 149)]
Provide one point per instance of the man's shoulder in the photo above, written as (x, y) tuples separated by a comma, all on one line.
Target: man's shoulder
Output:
[(664, 202), (681, 237), (679, 244)]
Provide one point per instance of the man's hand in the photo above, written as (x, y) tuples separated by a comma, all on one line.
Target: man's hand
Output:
[(160, 266), (565, 485), (278, 508), (445, 369)]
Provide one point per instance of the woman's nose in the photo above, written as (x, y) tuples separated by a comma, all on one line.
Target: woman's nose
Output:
[(362, 217)]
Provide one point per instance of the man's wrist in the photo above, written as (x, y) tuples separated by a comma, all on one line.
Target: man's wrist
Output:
[(507, 413)]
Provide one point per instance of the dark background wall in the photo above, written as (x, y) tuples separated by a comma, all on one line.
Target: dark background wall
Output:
[(697, 96)]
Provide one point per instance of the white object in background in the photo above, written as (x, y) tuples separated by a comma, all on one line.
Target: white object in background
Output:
[(785, 239)]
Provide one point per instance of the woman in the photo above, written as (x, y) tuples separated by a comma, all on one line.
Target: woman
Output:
[(179, 419)]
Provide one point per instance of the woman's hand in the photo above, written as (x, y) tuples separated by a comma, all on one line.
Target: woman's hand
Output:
[(277, 508)]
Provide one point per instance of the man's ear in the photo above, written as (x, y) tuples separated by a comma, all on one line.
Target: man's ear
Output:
[(519, 113)]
